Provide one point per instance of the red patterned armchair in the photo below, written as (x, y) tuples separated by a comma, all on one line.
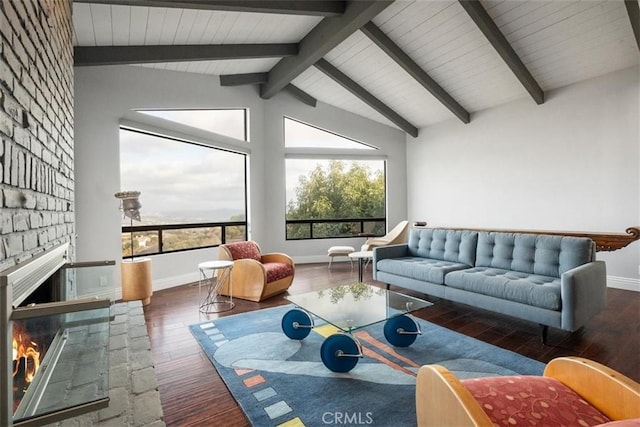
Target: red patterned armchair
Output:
[(572, 392), (256, 276)]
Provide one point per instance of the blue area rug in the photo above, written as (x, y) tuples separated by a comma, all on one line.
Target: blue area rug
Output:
[(278, 381)]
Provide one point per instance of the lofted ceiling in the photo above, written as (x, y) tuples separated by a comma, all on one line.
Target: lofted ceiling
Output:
[(405, 63)]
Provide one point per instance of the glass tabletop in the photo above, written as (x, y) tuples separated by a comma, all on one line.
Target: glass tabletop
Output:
[(354, 306)]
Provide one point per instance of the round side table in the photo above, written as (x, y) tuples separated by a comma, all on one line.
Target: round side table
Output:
[(220, 272), (361, 257), (136, 280)]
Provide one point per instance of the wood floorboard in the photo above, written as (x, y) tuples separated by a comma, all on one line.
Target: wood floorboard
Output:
[(193, 394), (196, 371)]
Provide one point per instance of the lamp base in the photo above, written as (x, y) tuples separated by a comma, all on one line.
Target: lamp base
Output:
[(136, 280)]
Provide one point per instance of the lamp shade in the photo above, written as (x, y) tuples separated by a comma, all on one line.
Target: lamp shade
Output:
[(130, 204)]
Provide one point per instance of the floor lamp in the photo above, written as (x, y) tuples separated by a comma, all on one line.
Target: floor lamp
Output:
[(136, 272)]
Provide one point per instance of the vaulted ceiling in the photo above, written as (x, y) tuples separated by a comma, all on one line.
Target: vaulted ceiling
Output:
[(405, 63)]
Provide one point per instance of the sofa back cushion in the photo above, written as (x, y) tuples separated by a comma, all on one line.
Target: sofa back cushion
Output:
[(533, 253), (244, 250), (446, 245)]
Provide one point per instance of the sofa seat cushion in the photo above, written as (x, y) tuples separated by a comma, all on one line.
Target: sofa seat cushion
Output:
[(532, 401), (277, 270), (531, 289), (425, 269), (631, 422)]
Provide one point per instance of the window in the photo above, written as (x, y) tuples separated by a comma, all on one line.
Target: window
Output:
[(192, 196), (228, 122), (329, 198), (298, 134)]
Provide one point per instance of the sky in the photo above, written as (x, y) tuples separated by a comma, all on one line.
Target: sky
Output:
[(178, 176), (225, 122), (298, 134)]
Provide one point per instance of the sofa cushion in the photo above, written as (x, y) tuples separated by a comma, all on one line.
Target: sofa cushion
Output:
[(631, 422), (531, 253), (277, 270), (244, 250), (457, 246), (531, 289), (426, 269), (532, 401)]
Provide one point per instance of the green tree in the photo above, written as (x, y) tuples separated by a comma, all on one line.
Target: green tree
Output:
[(337, 192)]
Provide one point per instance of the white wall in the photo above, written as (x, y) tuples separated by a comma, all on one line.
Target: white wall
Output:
[(569, 164), (106, 95)]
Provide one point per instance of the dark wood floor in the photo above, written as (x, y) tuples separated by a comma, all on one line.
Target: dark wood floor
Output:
[(193, 394)]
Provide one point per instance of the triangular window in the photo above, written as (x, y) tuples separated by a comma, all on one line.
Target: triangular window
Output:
[(228, 122), (298, 134)]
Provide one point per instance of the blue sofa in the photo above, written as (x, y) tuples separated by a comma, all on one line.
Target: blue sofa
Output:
[(551, 280)]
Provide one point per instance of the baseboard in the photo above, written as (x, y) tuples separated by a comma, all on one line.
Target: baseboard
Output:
[(623, 283), (169, 282), (173, 281), (317, 259)]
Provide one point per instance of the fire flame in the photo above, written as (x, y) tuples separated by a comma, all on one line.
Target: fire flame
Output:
[(24, 350)]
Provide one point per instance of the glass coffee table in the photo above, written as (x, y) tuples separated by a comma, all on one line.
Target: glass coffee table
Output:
[(350, 308)]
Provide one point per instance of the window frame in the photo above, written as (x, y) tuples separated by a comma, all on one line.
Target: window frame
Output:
[(159, 228), (245, 127), (368, 147), (323, 153)]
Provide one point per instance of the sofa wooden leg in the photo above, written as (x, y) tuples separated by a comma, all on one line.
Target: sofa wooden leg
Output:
[(544, 329)]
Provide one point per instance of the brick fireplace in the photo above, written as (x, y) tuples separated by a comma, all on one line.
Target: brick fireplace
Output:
[(55, 363), (36, 129), (36, 139)]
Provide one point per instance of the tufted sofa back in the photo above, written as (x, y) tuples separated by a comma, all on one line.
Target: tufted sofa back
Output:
[(447, 245), (532, 253)]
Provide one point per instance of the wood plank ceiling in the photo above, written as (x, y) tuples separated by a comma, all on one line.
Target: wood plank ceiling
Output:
[(408, 64)]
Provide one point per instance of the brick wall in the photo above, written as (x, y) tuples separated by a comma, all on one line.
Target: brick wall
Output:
[(36, 127)]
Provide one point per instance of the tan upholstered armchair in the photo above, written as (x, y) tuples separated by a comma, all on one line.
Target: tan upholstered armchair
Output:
[(572, 391), (396, 236), (256, 276)]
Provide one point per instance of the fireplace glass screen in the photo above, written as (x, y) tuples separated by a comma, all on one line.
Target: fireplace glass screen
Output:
[(54, 319), (60, 356)]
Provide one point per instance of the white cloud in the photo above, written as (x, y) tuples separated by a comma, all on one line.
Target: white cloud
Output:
[(177, 176)]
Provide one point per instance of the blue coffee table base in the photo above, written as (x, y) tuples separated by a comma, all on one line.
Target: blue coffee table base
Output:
[(340, 352), (297, 324)]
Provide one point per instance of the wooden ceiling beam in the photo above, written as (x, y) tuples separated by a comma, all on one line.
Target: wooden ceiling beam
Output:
[(633, 10), (243, 79), (414, 70), (258, 78), (291, 7), (301, 95), (325, 36), (479, 15), (357, 90), (114, 55)]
